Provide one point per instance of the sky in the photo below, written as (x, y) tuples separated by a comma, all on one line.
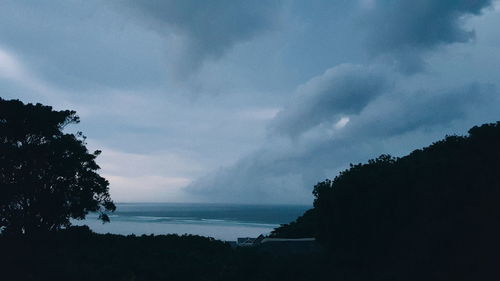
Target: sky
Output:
[(238, 101)]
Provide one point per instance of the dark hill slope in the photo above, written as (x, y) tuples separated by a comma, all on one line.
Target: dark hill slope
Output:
[(431, 215)]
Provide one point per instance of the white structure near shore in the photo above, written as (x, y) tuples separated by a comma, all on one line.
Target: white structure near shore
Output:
[(280, 245)]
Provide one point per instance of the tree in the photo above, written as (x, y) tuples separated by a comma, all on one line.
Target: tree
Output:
[(429, 215), (46, 176)]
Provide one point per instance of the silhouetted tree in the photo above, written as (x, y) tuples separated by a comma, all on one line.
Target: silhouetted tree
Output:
[(46, 176), (430, 215), (303, 226)]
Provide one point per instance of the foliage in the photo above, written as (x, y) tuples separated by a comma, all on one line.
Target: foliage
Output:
[(77, 254), (46, 176), (431, 215), (303, 226)]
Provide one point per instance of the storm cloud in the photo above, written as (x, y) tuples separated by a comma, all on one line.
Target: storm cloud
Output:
[(405, 30), (341, 91), (353, 112), (397, 122), (202, 30)]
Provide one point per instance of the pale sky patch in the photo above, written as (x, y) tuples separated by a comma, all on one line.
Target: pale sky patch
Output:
[(341, 123), (259, 114), (367, 4), (148, 188)]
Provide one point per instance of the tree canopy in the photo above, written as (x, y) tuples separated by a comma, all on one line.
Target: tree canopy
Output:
[(418, 216), (47, 176)]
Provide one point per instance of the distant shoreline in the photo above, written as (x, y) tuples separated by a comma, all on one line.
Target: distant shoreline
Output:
[(225, 222)]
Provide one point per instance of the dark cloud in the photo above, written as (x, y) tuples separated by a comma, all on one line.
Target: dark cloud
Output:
[(398, 121), (261, 177), (401, 112), (387, 112), (340, 91), (404, 29), (206, 29)]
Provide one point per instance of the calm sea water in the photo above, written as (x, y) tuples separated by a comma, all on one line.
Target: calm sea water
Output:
[(221, 221)]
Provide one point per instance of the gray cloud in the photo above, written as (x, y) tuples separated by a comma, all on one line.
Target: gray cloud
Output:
[(81, 44), (388, 113), (397, 122), (405, 29), (398, 112), (205, 29), (343, 90)]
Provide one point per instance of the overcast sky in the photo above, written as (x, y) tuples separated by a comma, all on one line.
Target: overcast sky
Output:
[(252, 101)]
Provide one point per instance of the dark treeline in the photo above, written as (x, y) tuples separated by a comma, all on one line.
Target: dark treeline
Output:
[(431, 215), (78, 254)]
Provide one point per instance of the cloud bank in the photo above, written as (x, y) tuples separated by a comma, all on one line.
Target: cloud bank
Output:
[(353, 112), (201, 30), (286, 168), (341, 91), (406, 29)]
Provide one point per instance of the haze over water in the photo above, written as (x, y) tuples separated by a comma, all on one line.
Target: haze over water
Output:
[(220, 221)]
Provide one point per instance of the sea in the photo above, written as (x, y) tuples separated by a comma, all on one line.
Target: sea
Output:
[(221, 221)]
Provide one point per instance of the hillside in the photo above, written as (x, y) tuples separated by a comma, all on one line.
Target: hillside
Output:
[(432, 214)]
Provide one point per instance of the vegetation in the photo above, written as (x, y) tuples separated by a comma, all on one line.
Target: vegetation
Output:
[(431, 215), (78, 254), (303, 226), (46, 176)]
